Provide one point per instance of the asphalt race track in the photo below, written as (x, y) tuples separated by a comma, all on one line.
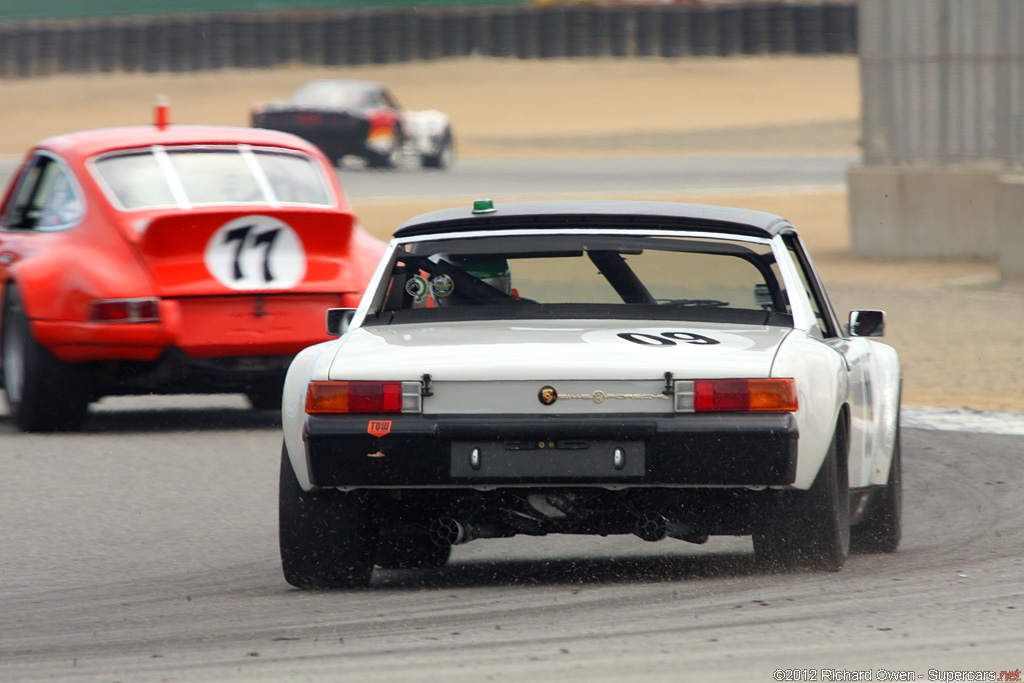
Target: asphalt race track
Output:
[(144, 548), (583, 176)]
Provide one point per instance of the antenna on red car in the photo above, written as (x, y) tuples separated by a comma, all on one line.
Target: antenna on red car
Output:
[(161, 112)]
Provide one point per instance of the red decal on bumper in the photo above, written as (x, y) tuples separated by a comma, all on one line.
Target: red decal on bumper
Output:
[(378, 428)]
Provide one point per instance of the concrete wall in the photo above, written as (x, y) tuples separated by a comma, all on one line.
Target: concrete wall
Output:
[(924, 212), (1009, 210), (942, 84)]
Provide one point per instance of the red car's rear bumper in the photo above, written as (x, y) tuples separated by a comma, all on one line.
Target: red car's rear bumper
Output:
[(201, 327)]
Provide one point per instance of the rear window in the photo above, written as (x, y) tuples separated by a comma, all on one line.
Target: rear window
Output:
[(335, 94), (580, 274), (184, 177)]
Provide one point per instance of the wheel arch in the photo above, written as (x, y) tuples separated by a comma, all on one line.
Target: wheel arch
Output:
[(823, 392), (293, 413), (888, 400), (57, 284)]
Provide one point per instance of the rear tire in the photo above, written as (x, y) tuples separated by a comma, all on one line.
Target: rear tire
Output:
[(411, 551), (389, 158), (808, 529), (881, 531), (444, 157), (326, 537), (44, 394), (265, 394)]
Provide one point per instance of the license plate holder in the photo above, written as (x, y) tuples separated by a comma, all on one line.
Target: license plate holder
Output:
[(568, 459)]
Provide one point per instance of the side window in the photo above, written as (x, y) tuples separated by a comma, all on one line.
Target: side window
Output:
[(819, 300), (46, 198)]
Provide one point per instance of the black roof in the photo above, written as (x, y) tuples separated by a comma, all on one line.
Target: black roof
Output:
[(561, 214)]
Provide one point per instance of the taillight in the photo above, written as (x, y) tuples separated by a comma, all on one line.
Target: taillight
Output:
[(124, 311), (720, 395), (308, 118), (363, 397)]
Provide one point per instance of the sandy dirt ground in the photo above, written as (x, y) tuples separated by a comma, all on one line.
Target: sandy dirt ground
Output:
[(958, 330)]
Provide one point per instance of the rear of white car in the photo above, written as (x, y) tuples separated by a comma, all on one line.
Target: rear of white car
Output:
[(592, 367)]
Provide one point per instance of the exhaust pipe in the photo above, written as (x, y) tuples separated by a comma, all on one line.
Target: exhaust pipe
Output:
[(650, 527), (446, 532), (685, 532)]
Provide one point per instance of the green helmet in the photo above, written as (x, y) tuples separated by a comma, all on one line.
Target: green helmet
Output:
[(493, 270)]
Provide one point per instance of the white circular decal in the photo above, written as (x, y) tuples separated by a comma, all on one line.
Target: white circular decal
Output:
[(256, 252), (417, 289)]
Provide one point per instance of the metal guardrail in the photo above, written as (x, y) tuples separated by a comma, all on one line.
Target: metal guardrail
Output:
[(19, 10), (195, 43)]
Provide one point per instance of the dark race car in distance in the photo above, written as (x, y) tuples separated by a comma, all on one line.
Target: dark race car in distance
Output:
[(346, 117)]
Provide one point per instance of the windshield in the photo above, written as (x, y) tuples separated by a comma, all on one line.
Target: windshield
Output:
[(335, 94), (582, 275), (189, 176)]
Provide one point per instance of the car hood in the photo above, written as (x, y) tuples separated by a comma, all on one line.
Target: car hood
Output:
[(556, 350)]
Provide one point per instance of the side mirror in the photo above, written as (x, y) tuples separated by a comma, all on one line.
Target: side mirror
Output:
[(338, 320), (866, 324)]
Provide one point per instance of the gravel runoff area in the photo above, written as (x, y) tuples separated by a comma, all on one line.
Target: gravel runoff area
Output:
[(958, 329)]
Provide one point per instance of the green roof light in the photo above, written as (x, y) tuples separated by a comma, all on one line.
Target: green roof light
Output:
[(484, 206)]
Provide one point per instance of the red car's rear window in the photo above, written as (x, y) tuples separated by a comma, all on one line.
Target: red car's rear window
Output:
[(201, 176)]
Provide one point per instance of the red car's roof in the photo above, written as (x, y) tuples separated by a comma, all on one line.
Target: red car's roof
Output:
[(88, 143)]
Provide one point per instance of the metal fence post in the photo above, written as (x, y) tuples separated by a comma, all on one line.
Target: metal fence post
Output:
[(781, 28), (704, 39)]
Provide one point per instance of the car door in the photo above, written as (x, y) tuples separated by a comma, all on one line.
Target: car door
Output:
[(857, 356)]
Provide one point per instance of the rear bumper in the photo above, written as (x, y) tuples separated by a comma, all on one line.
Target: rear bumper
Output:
[(200, 327), (177, 373), (336, 137), (680, 450)]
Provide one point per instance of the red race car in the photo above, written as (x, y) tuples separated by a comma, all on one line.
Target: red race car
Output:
[(169, 259)]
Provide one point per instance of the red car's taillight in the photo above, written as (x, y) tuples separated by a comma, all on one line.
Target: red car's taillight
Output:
[(363, 397), (720, 395), (124, 311)]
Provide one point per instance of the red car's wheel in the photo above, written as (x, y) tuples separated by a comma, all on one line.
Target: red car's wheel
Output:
[(265, 394), (44, 394)]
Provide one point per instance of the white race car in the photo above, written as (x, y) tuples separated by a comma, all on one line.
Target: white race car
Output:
[(589, 367)]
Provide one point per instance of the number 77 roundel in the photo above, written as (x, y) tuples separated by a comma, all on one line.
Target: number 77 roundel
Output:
[(256, 252)]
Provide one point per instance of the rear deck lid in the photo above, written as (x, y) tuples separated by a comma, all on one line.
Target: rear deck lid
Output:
[(202, 252), (565, 350)]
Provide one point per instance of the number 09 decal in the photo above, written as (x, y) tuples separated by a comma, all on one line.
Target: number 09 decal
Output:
[(256, 252), (667, 338)]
